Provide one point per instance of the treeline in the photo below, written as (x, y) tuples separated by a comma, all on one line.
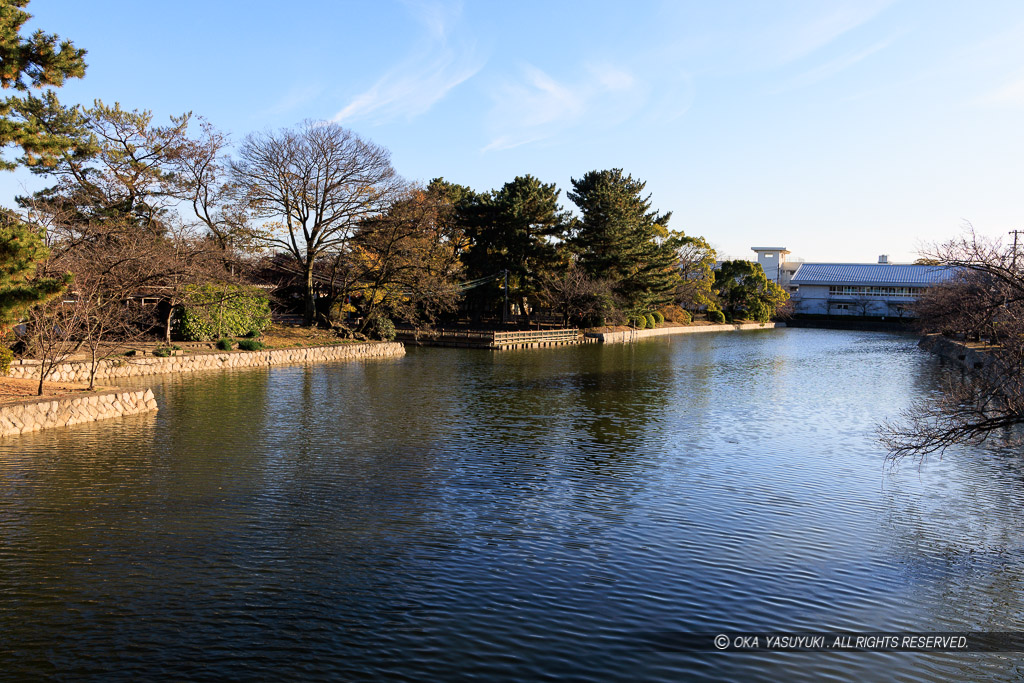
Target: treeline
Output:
[(138, 211)]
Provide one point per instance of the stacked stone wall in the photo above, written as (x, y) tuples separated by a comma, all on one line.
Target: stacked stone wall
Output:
[(33, 415), (151, 365)]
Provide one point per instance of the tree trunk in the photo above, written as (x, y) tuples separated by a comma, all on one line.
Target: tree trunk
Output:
[(310, 302), (167, 334)]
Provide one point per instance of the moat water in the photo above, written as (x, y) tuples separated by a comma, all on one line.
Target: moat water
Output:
[(516, 515)]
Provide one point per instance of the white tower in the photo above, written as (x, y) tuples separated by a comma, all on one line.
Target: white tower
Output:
[(771, 259)]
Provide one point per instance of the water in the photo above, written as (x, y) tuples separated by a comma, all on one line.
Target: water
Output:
[(518, 515)]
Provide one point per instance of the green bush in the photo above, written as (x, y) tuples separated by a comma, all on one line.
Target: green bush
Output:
[(225, 344), (639, 322), (652, 322), (684, 317), (162, 351), (383, 328), (659, 317), (250, 345), (6, 356), (213, 311), (716, 316)]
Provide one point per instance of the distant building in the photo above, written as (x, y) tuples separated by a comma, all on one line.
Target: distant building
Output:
[(771, 260), (862, 289)]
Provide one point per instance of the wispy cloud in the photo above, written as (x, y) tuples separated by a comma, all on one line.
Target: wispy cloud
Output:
[(809, 35), (1008, 95), (295, 97), (440, 61), (831, 68), (537, 106)]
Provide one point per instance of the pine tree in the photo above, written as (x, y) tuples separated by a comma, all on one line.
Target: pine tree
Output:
[(35, 62), (619, 237), (515, 229), (21, 248)]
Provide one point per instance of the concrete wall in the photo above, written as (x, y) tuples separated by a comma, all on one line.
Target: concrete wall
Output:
[(151, 365), (32, 415), (633, 335)]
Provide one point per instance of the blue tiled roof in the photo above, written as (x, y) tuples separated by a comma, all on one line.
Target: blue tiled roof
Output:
[(870, 274)]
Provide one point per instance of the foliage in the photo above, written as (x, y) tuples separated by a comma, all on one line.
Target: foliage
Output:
[(743, 290), (697, 272), (619, 237), (162, 351), (651, 321), (251, 345), (659, 317), (684, 317), (31, 63), (515, 229), (21, 249), (404, 263), (211, 311), (638, 321), (225, 343), (384, 329), (716, 316), (6, 357)]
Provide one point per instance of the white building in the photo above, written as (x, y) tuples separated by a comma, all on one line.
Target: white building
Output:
[(862, 289)]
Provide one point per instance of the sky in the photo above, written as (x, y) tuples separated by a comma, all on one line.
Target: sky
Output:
[(839, 130)]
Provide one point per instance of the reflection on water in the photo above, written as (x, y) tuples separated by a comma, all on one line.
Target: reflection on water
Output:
[(461, 513)]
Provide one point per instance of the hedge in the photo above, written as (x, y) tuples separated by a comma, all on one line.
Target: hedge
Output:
[(214, 311)]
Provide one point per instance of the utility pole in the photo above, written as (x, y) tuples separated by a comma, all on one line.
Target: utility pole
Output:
[(1015, 233)]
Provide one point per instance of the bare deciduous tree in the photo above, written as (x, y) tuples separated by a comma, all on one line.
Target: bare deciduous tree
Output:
[(986, 298), (312, 187)]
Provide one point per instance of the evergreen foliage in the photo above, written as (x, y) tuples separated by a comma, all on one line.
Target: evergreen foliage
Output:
[(212, 311), (27, 63), (743, 290), (621, 238), (21, 249)]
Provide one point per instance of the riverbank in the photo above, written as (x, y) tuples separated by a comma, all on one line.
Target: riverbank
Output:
[(625, 336), (970, 357), (31, 415), (123, 367)]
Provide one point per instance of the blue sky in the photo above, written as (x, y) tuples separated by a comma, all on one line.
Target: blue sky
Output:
[(841, 130)]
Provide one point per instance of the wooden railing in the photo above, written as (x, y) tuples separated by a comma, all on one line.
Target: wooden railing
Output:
[(493, 338)]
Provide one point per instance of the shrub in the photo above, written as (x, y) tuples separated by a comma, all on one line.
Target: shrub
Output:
[(716, 316), (659, 317), (652, 322), (383, 328), (684, 317), (214, 310), (225, 344), (6, 356), (162, 351), (639, 322), (250, 345)]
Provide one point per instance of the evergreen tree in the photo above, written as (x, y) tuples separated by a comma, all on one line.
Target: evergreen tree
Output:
[(515, 229), (619, 237), (744, 290), (21, 249), (31, 63)]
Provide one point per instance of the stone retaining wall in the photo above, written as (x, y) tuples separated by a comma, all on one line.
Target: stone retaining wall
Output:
[(33, 415), (150, 365), (957, 352), (633, 335)]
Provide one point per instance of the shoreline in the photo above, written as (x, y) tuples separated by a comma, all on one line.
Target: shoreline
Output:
[(627, 336), (34, 414)]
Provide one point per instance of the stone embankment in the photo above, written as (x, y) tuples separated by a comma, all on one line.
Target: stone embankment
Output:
[(32, 415), (957, 352), (634, 335), (149, 365)]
